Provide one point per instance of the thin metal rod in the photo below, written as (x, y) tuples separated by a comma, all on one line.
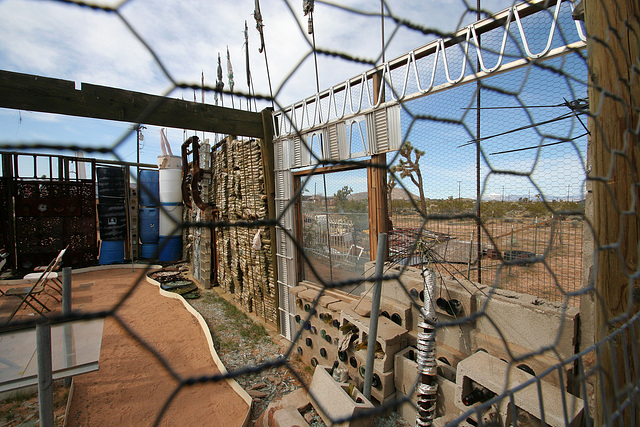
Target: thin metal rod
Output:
[(375, 310), (67, 328), (66, 291), (45, 376), (478, 163)]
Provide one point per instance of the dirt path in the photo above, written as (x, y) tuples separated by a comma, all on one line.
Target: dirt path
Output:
[(134, 381)]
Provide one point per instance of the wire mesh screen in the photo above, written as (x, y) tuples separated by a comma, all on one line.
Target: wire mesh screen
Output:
[(501, 162)]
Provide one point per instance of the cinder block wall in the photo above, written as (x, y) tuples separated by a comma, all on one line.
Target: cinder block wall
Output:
[(503, 324)]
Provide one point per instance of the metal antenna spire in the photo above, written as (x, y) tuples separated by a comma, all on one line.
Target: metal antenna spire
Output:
[(230, 76), (259, 26)]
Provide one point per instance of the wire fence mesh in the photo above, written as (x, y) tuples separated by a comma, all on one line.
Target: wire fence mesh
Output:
[(494, 185)]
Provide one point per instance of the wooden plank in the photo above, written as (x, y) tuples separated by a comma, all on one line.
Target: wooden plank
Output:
[(48, 95), (268, 164), (614, 157)]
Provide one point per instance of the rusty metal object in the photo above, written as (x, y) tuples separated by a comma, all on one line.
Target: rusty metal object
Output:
[(191, 176)]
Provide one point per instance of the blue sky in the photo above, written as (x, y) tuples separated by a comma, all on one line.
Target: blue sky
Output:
[(84, 45)]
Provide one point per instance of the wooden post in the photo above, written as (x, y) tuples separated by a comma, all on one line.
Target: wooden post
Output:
[(377, 181), (613, 46), (268, 164)]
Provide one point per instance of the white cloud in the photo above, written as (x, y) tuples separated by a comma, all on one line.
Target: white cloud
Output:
[(75, 43)]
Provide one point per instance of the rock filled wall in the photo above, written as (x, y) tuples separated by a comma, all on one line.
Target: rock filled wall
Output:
[(244, 253)]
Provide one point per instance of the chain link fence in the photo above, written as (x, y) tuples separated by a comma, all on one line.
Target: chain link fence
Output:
[(520, 176)]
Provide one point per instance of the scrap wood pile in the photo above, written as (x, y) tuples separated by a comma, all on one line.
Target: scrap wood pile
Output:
[(244, 253)]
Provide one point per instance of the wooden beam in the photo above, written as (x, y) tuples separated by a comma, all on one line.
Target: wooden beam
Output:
[(614, 158), (377, 188), (47, 95)]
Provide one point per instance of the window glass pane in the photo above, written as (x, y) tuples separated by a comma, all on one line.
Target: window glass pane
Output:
[(335, 225)]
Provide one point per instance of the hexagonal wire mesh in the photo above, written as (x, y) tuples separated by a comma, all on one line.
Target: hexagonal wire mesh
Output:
[(493, 187)]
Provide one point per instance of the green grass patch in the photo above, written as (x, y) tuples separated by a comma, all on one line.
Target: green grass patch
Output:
[(237, 320)]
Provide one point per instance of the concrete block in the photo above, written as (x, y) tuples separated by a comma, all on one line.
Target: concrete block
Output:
[(451, 295), (297, 289), (308, 295), (397, 313), (445, 398), (388, 332), (406, 370), (444, 402), (287, 417), (482, 369), (447, 419), (362, 307), (332, 400), (338, 306), (282, 413), (391, 339), (325, 301), (386, 389), (538, 362), (529, 323), (408, 409)]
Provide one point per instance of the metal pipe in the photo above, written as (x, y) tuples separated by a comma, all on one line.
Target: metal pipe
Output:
[(66, 291), (375, 310), (426, 357), (45, 376), (66, 311)]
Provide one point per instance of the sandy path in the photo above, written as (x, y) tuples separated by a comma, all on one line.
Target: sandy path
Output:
[(132, 384)]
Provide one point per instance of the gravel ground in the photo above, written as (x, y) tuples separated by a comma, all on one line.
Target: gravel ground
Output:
[(241, 343)]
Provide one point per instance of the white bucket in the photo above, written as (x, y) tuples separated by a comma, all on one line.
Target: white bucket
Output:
[(170, 220), (169, 162), (170, 182)]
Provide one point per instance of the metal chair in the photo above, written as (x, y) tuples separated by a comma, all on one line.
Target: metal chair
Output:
[(28, 294), (51, 280)]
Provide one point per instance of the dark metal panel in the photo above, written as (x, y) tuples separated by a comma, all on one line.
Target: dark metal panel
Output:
[(51, 215)]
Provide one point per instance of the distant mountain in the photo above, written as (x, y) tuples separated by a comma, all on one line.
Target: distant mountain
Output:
[(396, 194)]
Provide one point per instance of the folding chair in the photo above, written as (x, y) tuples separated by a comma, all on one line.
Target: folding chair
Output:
[(2, 263), (28, 294), (51, 280)]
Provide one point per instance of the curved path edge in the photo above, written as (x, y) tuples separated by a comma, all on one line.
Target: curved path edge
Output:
[(205, 328)]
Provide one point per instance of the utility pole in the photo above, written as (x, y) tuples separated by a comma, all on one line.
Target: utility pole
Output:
[(139, 137), (459, 189)]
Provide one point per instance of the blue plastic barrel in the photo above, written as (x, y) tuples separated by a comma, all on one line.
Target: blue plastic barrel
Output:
[(170, 248), (149, 251), (149, 188), (149, 224), (111, 252)]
